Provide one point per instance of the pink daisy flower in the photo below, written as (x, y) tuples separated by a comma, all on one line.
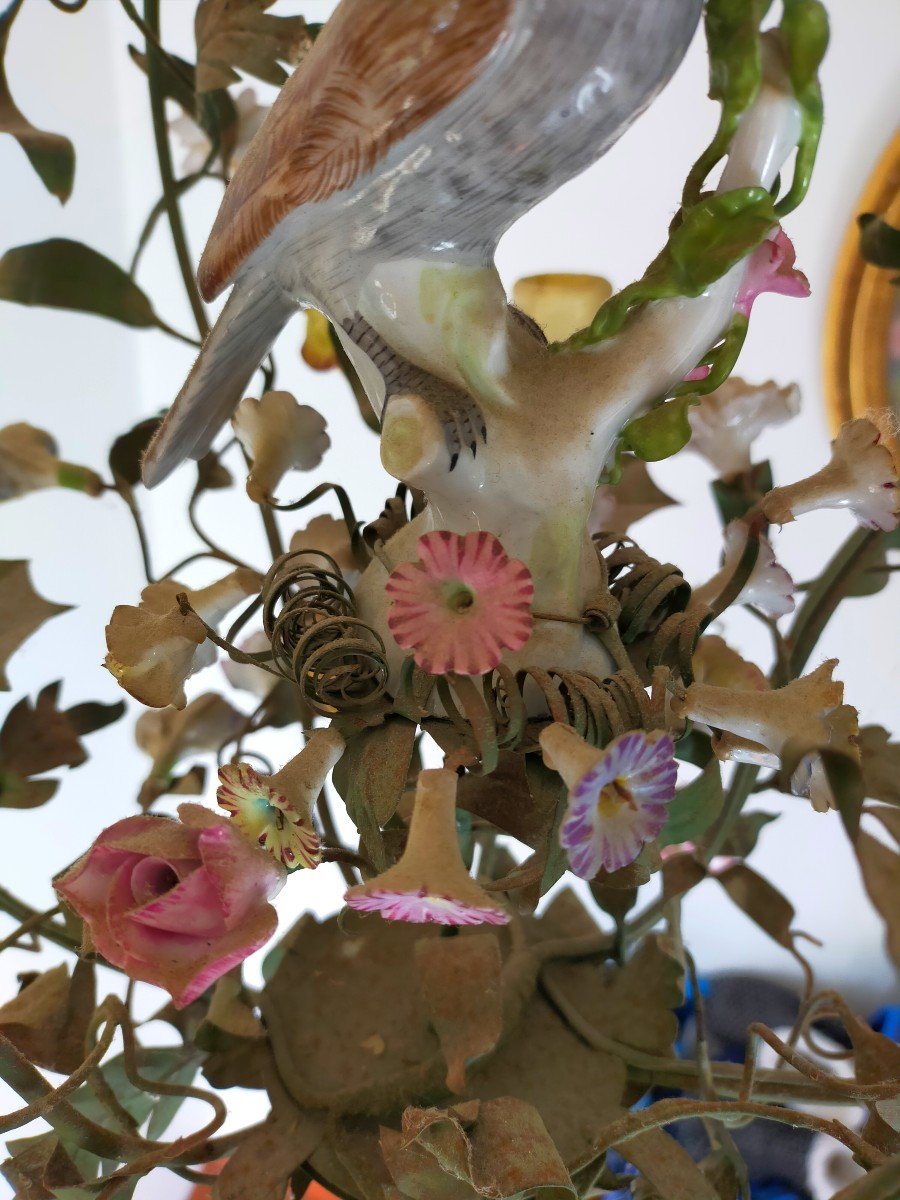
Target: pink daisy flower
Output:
[(771, 269), (619, 804), (461, 604), (267, 817), (430, 884)]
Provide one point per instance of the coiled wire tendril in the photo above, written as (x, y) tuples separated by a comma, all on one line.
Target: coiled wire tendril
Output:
[(309, 615)]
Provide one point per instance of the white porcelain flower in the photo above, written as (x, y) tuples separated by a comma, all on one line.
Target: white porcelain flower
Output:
[(861, 477), (196, 145), (758, 725), (279, 435), (245, 676), (29, 462), (154, 648), (769, 588), (726, 422)]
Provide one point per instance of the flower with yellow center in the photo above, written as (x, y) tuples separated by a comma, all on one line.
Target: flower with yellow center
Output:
[(618, 797)]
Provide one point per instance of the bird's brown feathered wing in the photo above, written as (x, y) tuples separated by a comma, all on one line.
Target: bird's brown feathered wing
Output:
[(378, 71)]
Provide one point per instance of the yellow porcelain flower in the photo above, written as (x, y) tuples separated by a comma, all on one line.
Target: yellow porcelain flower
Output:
[(561, 304)]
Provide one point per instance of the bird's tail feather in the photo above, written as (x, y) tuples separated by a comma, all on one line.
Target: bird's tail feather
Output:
[(248, 325)]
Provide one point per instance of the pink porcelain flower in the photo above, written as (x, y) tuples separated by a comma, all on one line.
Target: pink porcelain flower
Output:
[(619, 804), (771, 269), (462, 604), (175, 903)]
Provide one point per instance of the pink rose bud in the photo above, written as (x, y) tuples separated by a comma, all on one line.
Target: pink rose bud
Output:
[(175, 903)]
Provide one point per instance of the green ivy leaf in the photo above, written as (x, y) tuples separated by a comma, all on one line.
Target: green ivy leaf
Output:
[(713, 235), (60, 273), (804, 32), (51, 155), (660, 433), (737, 495), (695, 807)]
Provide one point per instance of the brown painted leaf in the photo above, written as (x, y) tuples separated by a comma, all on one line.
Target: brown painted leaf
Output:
[(371, 778), (49, 1019), (39, 1167), (264, 1162), (633, 1004), (336, 987), (498, 1149), (761, 901), (460, 980), (669, 1168), (51, 155), (519, 800), (619, 506), (880, 868), (59, 273), (876, 1059), (25, 793), (880, 764), (22, 611), (240, 35), (128, 449), (881, 1183), (42, 738), (238, 1053)]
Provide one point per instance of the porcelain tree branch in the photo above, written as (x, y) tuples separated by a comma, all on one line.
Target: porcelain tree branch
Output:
[(553, 418)]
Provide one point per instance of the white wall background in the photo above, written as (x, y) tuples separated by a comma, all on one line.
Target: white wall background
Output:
[(86, 380)]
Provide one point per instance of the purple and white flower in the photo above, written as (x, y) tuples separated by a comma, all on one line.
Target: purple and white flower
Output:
[(620, 804)]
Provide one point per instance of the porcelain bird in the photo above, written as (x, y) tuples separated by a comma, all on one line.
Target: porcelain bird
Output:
[(378, 188)]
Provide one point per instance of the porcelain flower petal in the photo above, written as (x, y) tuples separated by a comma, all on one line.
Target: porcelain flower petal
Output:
[(245, 676), (619, 804), (279, 435), (430, 883), (861, 477), (770, 588), (461, 604), (717, 663), (726, 423), (561, 304), (196, 146), (175, 903), (265, 816), (329, 536), (29, 462), (318, 349), (154, 648), (771, 269)]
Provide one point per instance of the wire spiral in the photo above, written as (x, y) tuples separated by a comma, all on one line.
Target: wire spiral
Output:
[(648, 591), (310, 617)]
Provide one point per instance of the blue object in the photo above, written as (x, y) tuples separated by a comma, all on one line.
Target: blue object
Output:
[(774, 1191)]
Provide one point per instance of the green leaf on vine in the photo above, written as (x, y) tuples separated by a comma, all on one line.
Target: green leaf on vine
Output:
[(60, 273), (695, 807), (51, 154), (662, 432)]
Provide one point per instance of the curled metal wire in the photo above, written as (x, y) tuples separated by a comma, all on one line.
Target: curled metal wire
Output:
[(648, 591), (309, 615), (492, 714)]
